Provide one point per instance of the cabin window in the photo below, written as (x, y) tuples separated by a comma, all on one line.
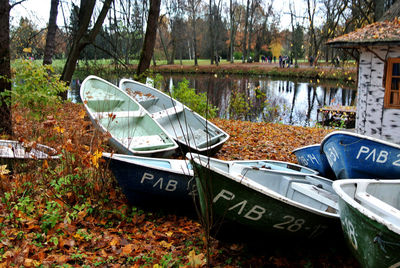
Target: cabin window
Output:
[(392, 91)]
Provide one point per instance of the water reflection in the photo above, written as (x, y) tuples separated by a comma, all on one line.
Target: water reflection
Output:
[(288, 102)]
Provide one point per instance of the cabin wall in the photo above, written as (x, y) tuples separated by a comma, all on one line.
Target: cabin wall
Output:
[(371, 118)]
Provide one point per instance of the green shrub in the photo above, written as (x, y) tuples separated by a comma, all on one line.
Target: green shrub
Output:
[(36, 86), (197, 102), (239, 105)]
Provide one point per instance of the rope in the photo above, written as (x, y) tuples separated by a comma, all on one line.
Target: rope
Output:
[(382, 243)]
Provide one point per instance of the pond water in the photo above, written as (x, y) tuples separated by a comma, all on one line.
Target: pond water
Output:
[(259, 98)]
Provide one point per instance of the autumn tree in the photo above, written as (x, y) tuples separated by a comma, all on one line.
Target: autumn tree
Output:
[(150, 37), (216, 31), (51, 33), (264, 29), (193, 8), (246, 25), (83, 36), (172, 31), (234, 20), (26, 39)]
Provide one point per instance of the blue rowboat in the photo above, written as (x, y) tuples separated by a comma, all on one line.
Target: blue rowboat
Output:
[(357, 156), (311, 156), (150, 182), (370, 217)]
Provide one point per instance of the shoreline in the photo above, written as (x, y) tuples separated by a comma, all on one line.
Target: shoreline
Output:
[(343, 75)]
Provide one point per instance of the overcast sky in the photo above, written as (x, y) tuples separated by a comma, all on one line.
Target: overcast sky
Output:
[(38, 11)]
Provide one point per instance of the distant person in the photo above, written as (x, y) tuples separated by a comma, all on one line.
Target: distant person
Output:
[(280, 61), (337, 61), (274, 59), (311, 60)]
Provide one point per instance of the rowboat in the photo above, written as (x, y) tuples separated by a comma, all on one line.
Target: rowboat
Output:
[(10, 149), (353, 155), (132, 129), (190, 130), (312, 157), (146, 180), (239, 199), (370, 218), (153, 181)]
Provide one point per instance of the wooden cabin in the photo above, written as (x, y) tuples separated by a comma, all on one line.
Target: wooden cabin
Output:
[(378, 100)]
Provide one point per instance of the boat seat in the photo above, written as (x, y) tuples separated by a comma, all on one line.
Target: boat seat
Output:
[(143, 143), (211, 141), (137, 113), (316, 193), (377, 206), (167, 112)]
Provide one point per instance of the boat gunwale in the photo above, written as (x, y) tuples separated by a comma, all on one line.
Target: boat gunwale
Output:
[(178, 103), (306, 147), (364, 137), (264, 190), (122, 158), (350, 201), (293, 172), (133, 151)]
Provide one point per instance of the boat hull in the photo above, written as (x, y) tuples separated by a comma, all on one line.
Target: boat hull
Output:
[(371, 242), (356, 156), (311, 157), (238, 211), (150, 182)]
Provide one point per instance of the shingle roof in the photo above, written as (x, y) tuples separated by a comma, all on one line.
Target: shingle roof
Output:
[(378, 33)]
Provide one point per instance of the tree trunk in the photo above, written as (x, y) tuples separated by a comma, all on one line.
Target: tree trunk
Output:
[(251, 22), (82, 38), (246, 23), (379, 9), (211, 32), (51, 33), (392, 12), (5, 70), (150, 37), (194, 42), (232, 32)]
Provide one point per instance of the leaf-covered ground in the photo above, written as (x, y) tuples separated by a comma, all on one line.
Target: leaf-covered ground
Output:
[(71, 213)]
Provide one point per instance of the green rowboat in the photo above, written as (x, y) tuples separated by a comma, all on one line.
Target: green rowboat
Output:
[(132, 129), (370, 217), (273, 202)]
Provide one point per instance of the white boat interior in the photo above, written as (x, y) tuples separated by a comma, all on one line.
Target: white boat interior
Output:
[(375, 198), (307, 191), (179, 121), (127, 122)]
